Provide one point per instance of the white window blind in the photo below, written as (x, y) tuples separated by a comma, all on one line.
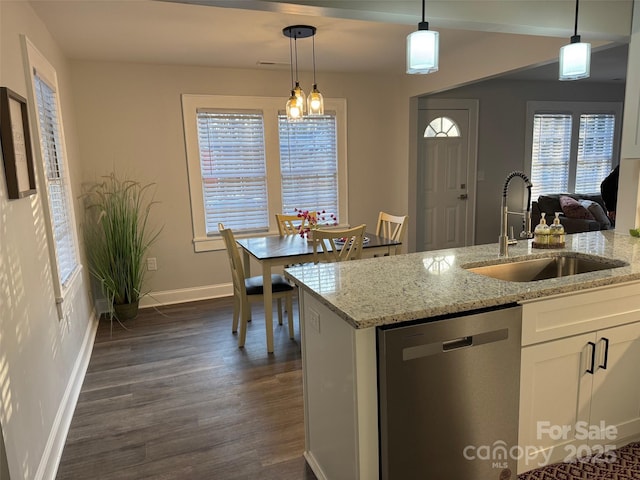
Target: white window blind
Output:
[(309, 164), (58, 191), (233, 169), (550, 155), (595, 151)]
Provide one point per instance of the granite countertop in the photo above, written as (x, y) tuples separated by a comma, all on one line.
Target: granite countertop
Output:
[(395, 289)]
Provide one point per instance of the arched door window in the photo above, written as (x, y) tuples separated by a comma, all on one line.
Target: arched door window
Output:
[(442, 127)]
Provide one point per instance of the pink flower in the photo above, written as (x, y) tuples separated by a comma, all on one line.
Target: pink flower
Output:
[(311, 220)]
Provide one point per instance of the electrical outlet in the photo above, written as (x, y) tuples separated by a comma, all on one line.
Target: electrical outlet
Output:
[(314, 320), (152, 263)]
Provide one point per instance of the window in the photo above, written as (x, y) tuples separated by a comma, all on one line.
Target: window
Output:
[(233, 170), (246, 163), (53, 176), (442, 127), (309, 164), (573, 146), (54, 165)]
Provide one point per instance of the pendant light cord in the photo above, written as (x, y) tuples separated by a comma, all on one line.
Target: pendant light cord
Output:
[(291, 59), (575, 30), (314, 58), (295, 44), (423, 9)]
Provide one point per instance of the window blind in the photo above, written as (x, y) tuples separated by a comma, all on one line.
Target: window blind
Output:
[(551, 149), (595, 151), (58, 191), (233, 168), (309, 164)]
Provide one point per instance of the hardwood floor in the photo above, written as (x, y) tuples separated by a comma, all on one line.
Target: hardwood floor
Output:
[(174, 397)]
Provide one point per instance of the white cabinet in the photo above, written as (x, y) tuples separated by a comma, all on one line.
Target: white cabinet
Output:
[(579, 394), (631, 124), (615, 399), (340, 394)]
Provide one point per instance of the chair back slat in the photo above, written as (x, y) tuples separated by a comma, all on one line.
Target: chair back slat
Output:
[(328, 246), (235, 262), (392, 227), (290, 224)]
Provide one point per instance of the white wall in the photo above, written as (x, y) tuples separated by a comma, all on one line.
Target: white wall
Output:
[(628, 213), (40, 358), (132, 121)]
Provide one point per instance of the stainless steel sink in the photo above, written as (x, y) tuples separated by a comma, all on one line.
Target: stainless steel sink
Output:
[(531, 270)]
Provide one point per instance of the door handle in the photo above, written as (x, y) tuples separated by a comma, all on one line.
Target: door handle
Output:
[(606, 353), (463, 196), (591, 369)]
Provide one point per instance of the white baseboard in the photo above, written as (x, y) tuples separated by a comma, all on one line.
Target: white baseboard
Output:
[(311, 461), (50, 460), (169, 297)]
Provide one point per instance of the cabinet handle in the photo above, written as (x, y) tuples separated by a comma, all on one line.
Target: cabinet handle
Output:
[(606, 353), (593, 357)]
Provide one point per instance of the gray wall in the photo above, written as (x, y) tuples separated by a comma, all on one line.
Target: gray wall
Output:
[(501, 136)]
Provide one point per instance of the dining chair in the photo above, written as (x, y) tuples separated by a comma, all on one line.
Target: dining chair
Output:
[(248, 289), (338, 245), (289, 224), (392, 227)]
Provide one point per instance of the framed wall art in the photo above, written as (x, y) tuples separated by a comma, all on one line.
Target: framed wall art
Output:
[(17, 154)]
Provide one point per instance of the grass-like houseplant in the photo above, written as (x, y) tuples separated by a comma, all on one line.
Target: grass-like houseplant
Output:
[(117, 236)]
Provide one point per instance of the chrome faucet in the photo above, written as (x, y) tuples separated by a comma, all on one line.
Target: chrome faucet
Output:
[(504, 239)]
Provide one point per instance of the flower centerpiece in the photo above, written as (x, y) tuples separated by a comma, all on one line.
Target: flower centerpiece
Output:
[(312, 220)]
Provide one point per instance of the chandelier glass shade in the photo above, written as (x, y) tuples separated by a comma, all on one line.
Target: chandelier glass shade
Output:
[(422, 52)]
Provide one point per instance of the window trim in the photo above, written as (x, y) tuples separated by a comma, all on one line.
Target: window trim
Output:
[(36, 61), (270, 106), (575, 109)]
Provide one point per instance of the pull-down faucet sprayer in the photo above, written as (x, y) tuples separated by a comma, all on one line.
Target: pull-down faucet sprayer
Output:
[(504, 212)]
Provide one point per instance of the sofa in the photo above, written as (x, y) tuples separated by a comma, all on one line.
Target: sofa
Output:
[(579, 212)]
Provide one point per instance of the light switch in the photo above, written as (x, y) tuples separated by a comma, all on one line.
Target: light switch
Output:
[(314, 320)]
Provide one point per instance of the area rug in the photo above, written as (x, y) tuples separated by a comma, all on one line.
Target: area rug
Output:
[(621, 464)]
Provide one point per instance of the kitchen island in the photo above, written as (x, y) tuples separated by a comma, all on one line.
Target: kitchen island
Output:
[(343, 306)]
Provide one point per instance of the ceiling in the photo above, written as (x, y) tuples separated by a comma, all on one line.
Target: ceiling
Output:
[(349, 39)]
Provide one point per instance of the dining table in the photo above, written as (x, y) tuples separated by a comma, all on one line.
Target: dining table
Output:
[(274, 250)]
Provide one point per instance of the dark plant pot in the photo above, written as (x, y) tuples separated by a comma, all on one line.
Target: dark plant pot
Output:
[(126, 311)]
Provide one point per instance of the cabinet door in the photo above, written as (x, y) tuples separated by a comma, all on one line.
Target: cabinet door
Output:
[(616, 384), (555, 392)]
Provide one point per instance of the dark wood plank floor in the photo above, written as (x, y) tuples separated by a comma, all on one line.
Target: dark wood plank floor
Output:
[(173, 397)]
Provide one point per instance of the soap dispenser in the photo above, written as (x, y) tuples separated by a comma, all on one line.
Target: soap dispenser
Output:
[(541, 233), (556, 239)]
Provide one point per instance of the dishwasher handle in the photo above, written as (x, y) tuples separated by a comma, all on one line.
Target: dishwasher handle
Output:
[(457, 343), (441, 347)]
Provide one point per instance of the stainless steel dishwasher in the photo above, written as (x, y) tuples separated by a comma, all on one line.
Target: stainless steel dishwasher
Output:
[(448, 397)]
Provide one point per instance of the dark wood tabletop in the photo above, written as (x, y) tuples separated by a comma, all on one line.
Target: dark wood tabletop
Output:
[(275, 246)]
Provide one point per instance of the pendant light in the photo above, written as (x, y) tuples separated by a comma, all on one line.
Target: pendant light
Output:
[(298, 104), (294, 112), (315, 101), (301, 98), (422, 48), (575, 58)]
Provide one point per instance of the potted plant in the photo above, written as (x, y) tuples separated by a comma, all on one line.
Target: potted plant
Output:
[(117, 237)]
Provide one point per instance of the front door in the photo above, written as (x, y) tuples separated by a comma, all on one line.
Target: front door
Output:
[(446, 174)]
